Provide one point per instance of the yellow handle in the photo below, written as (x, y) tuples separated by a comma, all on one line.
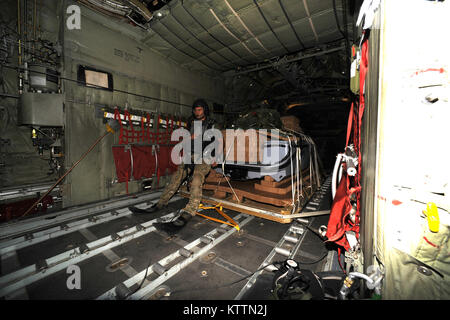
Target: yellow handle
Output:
[(109, 129), (433, 217)]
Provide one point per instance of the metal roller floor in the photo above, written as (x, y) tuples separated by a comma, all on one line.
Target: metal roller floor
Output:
[(109, 248)]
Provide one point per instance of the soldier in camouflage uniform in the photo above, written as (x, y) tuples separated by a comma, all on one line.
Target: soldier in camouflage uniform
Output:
[(200, 171)]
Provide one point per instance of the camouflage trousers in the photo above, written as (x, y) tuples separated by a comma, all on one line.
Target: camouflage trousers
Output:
[(198, 177)]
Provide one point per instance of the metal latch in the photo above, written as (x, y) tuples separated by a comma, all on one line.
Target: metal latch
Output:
[(83, 248)]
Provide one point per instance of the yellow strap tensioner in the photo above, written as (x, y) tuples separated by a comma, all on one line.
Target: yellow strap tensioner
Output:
[(433, 216), (219, 209)]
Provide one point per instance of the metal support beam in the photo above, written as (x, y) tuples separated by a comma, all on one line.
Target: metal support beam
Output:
[(13, 193), (301, 56)]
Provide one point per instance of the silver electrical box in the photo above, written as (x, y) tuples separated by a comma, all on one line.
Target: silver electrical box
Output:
[(41, 109)]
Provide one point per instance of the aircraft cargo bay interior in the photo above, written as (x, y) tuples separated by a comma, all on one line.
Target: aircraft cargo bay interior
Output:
[(253, 150)]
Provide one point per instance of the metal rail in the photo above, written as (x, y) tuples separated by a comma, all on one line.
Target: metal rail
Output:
[(25, 276), (314, 203), (142, 293), (30, 239), (190, 252), (294, 235), (13, 193), (22, 227)]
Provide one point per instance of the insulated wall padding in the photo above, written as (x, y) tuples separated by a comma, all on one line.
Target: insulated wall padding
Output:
[(322, 25), (149, 104), (254, 20), (140, 88), (315, 7), (164, 94), (304, 32), (155, 91), (173, 95), (265, 42), (294, 9), (121, 83), (82, 129), (287, 37), (201, 8), (103, 96), (186, 99)]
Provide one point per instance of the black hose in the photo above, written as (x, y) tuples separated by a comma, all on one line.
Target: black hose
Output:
[(142, 282), (316, 261)]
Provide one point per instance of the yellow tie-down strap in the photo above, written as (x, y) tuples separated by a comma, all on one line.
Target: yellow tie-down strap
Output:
[(219, 209)]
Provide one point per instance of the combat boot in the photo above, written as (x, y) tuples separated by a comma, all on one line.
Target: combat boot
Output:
[(176, 225), (153, 208)]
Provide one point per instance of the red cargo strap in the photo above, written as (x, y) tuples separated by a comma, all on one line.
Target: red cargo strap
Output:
[(167, 130), (130, 138), (339, 221), (142, 133), (157, 129)]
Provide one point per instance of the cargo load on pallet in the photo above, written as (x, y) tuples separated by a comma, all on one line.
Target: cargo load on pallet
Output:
[(268, 171), (291, 123)]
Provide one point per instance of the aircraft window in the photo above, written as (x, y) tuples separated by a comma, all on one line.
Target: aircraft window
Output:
[(91, 77)]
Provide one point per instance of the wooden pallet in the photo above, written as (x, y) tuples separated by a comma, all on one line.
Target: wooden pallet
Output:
[(264, 198), (266, 190), (247, 206)]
